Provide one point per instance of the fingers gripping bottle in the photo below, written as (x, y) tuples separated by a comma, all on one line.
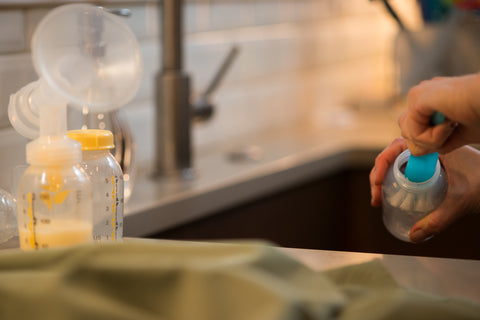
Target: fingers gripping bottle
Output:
[(406, 201), (413, 187), (107, 182)]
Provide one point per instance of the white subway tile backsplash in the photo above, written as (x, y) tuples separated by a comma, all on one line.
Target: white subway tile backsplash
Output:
[(231, 15), (192, 15), (12, 31), (202, 18), (308, 11), (322, 10), (33, 16), (293, 53), (139, 21), (271, 12), (151, 20)]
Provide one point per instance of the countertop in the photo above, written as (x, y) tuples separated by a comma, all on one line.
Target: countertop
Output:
[(445, 277), (327, 142), (456, 278)]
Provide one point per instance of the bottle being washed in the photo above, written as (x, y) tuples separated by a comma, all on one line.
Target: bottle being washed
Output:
[(413, 187)]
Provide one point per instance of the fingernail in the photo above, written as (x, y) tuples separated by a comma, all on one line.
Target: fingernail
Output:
[(417, 236)]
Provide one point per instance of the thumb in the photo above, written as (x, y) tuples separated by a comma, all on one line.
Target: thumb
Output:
[(435, 222), (421, 230)]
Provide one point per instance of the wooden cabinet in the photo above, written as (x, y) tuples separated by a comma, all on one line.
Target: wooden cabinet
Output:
[(330, 213)]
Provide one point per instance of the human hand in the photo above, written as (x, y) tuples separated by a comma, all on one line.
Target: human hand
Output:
[(458, 98), (463, 195), (383, 161)]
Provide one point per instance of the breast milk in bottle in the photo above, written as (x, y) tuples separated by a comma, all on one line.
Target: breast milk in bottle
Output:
[(54, 204), (107, 182)]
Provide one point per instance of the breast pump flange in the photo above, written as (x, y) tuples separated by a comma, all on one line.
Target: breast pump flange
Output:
[(79, 66)]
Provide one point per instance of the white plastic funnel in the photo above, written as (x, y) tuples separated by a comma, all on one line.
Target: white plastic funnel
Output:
[(84, 56)]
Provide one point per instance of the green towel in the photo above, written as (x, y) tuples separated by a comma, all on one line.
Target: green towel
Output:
[(156, 279), (373, 295), (163, 280)]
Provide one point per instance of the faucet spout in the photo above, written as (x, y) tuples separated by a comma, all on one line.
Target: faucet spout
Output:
[(174, 111), (173, 108)]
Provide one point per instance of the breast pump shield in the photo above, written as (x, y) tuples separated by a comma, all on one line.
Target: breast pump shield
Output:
[(8, 220), (84, 56), (82, 67)]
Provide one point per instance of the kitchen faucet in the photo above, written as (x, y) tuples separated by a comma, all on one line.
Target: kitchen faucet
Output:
[(174, 112)]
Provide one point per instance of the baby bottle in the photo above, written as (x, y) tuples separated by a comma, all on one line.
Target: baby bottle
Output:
[(408, 198), (81, 67), (54, 196), (107, 182)]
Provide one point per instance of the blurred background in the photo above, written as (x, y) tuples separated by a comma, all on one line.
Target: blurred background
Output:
[(309, 64), (297, 56)]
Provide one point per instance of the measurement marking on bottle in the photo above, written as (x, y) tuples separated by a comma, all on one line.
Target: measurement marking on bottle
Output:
[(114, 209), (33, 221)]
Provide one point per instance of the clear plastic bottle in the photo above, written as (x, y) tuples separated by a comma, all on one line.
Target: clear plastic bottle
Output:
[(8, 218), (54, 204), (54, 197), (405, 202), (107, 182)]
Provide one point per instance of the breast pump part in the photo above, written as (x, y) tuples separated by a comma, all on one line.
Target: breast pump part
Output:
[(84, 56), (8, 219)]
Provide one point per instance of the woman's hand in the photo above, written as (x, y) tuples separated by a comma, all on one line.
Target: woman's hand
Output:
[(463, 194), (383, 161), (458, 98)]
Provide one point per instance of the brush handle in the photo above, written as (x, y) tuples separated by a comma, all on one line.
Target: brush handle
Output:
[(421, 169), (437, 118)]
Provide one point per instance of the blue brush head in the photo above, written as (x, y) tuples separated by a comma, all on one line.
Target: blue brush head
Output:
[(420, 169)]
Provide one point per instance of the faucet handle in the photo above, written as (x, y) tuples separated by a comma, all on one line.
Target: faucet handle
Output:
[(122, 12), (203, 108)]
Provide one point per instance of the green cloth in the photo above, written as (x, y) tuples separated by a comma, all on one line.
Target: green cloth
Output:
[(373, 295), (153, 279)]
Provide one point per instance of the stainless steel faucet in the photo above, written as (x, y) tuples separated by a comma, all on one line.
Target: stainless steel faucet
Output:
[(174, 112)]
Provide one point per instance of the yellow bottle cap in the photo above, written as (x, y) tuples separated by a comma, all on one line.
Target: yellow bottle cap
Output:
[(93, 139)]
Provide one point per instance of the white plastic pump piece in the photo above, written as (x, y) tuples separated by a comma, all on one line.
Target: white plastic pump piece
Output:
[(85, 57), (8, 219)]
